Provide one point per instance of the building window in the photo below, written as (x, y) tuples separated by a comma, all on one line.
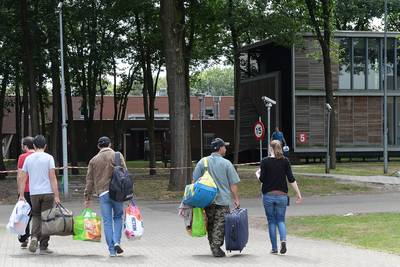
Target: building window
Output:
[(373, 63), (359, 62), (398, 64), (390, 63), (254, 63), (397, 120), (345, 63), (207, 139), (391, 120), (209, 112), (231, 113), (244, 62)]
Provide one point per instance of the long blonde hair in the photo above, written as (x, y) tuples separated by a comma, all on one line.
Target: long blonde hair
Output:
[(277, 148)]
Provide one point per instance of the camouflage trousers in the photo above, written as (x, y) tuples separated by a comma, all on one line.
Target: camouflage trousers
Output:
[(216, 224)]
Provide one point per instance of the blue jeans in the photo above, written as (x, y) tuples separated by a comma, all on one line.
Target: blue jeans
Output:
[(275, 209), (112, 212)]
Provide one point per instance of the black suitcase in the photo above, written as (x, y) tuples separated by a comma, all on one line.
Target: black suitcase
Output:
[(236, 229)]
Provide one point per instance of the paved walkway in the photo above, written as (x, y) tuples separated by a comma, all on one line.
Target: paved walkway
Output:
[(379, 179), (165, 243)]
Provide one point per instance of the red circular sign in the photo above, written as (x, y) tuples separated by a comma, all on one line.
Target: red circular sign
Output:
[(259, 130), (302, 138)]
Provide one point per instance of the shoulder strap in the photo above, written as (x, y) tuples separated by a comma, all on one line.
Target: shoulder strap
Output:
[(117, 159), (206, 163)]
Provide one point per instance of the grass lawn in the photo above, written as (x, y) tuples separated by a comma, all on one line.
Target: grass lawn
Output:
[(378, 231), (250, 188), (354, 168)]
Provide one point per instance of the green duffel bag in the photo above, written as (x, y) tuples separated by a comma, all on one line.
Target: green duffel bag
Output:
[(57, 221)]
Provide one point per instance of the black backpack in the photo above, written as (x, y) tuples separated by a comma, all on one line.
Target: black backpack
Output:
[(121, 185)]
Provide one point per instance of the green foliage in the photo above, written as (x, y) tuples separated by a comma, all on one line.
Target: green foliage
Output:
[(215, 81)]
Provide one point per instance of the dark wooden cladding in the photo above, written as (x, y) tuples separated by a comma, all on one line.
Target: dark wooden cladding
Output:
[(252, 107), (358, 118), (309, 69), (310, 120)]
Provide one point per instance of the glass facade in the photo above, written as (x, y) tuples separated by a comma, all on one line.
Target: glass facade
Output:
[(345, 64), (391, 118), (390, 64), (361, 61), (373, 63), (397, 120)]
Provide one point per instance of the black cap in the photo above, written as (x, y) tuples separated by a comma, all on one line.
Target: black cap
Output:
[(218, 142), (104, 141)]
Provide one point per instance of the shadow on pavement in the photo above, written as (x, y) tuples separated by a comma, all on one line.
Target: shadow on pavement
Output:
[(228, 259), (91, 257)]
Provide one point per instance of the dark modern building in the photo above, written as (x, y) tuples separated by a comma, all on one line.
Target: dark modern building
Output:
[(294, 77)]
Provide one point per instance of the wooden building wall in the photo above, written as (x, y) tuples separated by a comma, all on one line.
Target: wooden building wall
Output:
[(309, 68), (358, 118)]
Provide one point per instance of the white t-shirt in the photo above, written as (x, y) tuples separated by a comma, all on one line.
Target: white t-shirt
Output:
[(38, 165)]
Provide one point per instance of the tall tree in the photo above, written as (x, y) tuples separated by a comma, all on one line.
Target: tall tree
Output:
[(147, 42), (172, 25), (321, 20), (29, 66)]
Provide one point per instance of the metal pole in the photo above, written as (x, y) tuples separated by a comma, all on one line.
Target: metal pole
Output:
[(269, 105), (327, 163), (259, 119), (63, 117), (385, 130), (201, 125)]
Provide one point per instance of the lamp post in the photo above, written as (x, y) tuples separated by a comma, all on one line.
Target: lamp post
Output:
[(201, 101), (328, 123), (385, 129), (268, 102), (63, 116)]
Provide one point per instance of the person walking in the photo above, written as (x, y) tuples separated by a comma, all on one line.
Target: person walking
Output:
[(226, 179), (278, 135), (275, 169), (27, 148), (43, 190), (98, 178)]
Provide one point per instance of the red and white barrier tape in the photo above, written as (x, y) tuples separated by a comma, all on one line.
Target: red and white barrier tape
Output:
[(147, 169)]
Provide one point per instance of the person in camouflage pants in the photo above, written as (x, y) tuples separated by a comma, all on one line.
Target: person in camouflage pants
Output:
[(216, 225), (226, 179)]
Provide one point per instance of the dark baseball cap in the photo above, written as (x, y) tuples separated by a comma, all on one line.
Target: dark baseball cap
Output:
[(104, 141), (218, 142)]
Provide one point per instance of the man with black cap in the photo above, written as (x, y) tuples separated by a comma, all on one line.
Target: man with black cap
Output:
[(98, 179), (226, 179)]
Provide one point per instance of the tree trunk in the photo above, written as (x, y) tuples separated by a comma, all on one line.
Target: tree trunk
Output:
[(324, 40), (17, 110), (115, 119), (330, 100), (71, 125), (29, 68), (42, 105), (25, 103), (172, 12), (236, 60), (3, 89), (149, 91)]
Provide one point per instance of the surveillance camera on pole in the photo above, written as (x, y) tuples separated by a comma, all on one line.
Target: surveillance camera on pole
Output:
[(328, 122), (268, 102), (328, 107)]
